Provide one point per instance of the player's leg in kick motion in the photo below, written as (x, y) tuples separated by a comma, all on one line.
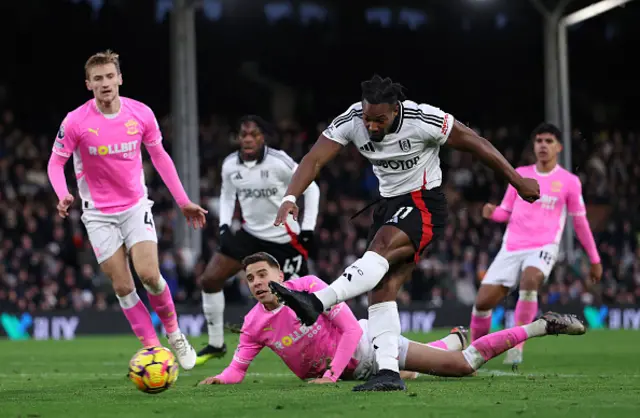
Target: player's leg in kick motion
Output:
[(423, 358), (405, 222)]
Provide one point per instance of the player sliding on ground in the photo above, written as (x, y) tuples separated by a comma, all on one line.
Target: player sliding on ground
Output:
[(104, 135), (402, 140), (530, 244), (339, 346)]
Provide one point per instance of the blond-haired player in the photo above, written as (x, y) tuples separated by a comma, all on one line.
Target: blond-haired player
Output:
[(104, 136)]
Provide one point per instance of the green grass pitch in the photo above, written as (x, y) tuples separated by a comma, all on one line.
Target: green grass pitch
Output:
[(596, 375)]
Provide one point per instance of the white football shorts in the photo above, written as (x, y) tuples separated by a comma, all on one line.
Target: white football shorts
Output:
[(507, 267), (366, 356), (108, 231)]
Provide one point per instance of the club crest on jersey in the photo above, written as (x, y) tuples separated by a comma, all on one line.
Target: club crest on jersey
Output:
[(556, 186), (132, 127), (405, 144)]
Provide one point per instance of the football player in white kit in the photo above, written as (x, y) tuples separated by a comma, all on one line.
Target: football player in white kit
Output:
[(257, 176), (402, 139)]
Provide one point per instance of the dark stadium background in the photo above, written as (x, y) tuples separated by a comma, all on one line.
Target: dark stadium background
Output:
[(481, 61)]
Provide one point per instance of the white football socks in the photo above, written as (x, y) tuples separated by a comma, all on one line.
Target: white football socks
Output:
[(384, 331), (360, 277), (213, 308), (536, 328)]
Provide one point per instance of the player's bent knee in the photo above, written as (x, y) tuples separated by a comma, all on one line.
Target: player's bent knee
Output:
[(393, 244), (481, 311), (464, 369), (489, 296), (149, 275), (457, 366), (123, 287), (210, 283), (483, 306), (532, 279)]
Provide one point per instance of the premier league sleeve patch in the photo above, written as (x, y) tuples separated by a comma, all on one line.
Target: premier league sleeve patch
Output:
[(61, 132)]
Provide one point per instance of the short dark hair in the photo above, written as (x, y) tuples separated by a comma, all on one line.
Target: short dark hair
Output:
[(547, 128), (258, 257), (382, 90), (267, 129)]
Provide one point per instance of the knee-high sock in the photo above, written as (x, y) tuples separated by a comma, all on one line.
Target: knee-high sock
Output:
[(213, 308), (492, 345), (384, 330), (139, 318), (358, 278), (480, 323), (526, 309), (162, 303)]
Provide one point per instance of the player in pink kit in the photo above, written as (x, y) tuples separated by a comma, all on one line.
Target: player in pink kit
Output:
[(530, 243), (104, 136), (339, 346)]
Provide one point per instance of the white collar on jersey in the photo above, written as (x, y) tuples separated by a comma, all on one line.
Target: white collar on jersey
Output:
[(273, 312), (397, 123), (260, 158), (548, 173), (107, 115)]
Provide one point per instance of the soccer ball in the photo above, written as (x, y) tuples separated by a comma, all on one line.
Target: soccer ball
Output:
[(153, 370)]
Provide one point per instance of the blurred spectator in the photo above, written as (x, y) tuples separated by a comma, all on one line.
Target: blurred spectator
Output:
[(47, 263)]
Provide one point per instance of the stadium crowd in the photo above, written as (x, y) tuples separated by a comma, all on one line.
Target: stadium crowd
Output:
[(47, 263)]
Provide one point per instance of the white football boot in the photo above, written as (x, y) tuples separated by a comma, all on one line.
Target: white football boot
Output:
[(183, 350)]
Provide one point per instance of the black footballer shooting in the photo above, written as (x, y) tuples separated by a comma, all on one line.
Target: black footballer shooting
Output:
[(384, 116)]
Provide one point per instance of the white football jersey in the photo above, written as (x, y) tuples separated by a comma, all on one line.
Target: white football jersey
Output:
[(407, 159), (260, 186)]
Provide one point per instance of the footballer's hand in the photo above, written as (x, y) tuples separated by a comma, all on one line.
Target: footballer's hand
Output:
[(285, 209), (321, 381), (63, 206), (487, 210), (196, 215), (595, 273), (529, 190), (211, 381)]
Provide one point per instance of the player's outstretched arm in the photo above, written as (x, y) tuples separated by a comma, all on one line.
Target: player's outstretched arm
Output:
[(323, 151), (166, 168), (465, 139), (501, 213), (247, 350), (578, 211), (64, 146), (55, 171), (343, 318), (227, 198)]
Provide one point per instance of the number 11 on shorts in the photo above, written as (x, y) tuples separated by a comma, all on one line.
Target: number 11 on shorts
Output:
[(403, 212)]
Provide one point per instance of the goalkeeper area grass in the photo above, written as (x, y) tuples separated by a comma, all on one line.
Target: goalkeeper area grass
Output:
[(595, 375)]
